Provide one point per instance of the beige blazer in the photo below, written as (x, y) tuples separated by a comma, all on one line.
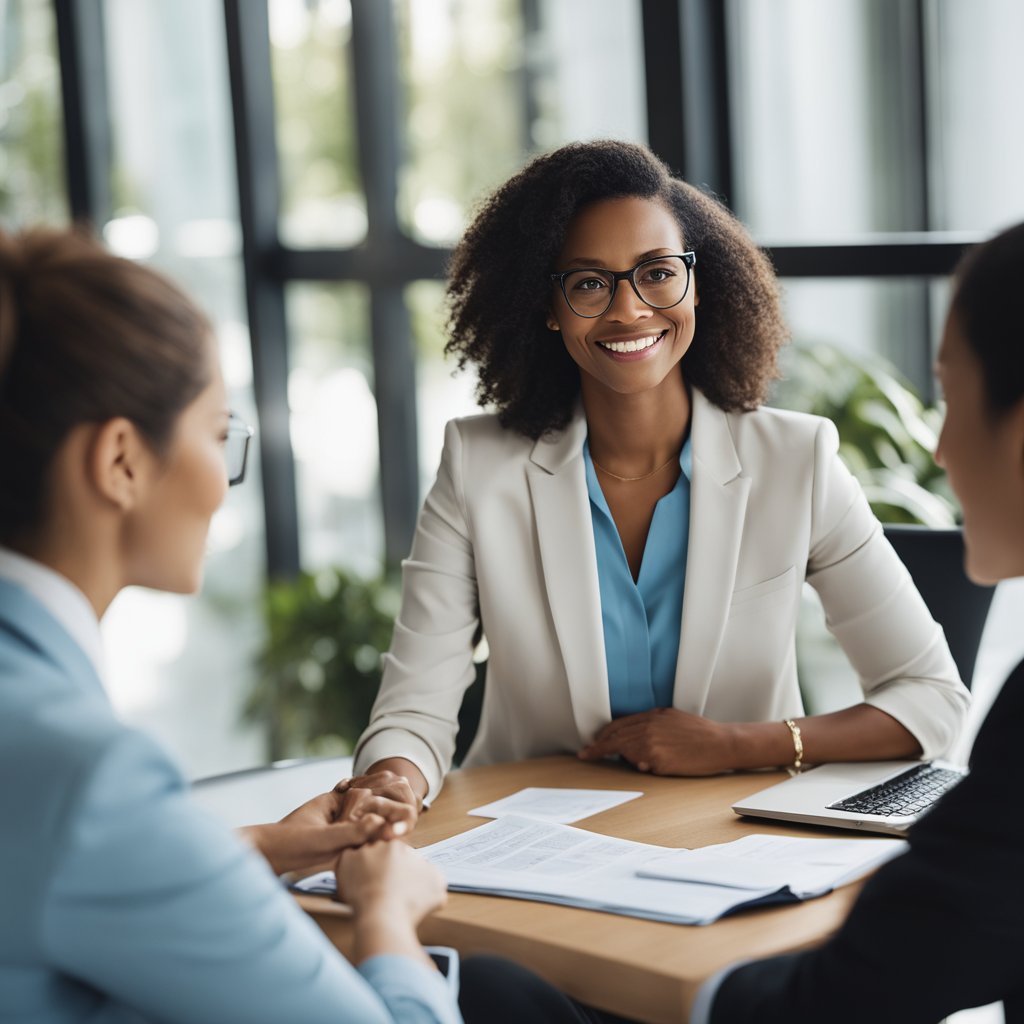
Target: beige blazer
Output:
[(505, 540)]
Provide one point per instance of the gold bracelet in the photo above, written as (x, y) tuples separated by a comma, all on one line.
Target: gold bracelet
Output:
[(798, 747)]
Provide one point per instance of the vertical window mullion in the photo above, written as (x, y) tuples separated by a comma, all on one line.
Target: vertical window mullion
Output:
[(252, 100), (663, 77), (377, 104), (87, 140)]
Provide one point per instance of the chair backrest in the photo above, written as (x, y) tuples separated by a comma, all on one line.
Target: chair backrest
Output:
[(935, 559)]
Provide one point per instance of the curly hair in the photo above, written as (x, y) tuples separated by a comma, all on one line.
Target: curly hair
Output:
[(499, 288)]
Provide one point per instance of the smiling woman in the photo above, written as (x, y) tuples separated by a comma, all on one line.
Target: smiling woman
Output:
[(630, 529)]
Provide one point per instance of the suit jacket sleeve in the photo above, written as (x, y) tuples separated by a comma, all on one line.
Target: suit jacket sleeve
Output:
[(937, 930), (430, 664), (169, 916), (874, 610)]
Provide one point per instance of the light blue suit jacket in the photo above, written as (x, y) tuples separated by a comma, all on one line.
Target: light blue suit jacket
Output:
[(120, 900)]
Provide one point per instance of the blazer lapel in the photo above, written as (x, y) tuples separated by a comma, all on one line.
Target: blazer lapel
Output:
[(565, 534), (718, 502)]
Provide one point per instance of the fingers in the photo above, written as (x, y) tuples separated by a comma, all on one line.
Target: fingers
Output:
[(613, 743), (328, 804), (324, 809), (400, 817), (291, 846), (330, 840), (596, 750), (352, 801), (382, 793), (387, 784), (616, 726), (356, 833)]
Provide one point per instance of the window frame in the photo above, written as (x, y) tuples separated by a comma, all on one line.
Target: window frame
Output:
[(686, 67)]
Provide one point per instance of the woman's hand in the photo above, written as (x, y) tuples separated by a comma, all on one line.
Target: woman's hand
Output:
[(392, 877), (390, 888), (312, 836), (666, 741), (379, 792)]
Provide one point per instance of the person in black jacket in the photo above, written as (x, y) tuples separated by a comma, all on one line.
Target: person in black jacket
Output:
[(942, 927)]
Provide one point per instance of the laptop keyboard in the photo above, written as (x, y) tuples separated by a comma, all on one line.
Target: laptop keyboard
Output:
[(910, 792)]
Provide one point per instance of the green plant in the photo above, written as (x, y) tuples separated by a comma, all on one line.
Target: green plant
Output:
[(320, 668), (886, 434)]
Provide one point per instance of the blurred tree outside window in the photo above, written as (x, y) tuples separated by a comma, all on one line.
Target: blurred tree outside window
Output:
[(515, 78), (322, 198), (462, 70), (32, 185)]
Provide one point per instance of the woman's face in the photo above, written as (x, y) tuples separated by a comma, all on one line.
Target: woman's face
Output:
[(165, 536), (983, 455), (632, 347)]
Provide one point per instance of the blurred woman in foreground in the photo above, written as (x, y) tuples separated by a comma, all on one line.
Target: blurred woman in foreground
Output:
[(121, 899)]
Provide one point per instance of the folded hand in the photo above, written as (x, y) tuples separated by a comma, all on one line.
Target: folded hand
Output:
[(665, 741)]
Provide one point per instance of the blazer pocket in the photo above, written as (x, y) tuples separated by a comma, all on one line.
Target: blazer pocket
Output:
[(747, 594)]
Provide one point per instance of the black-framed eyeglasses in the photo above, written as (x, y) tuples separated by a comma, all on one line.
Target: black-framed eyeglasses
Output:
[(236, 448), (661, 282)]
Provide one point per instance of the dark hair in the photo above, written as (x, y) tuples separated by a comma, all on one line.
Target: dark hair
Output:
[(499, 289), (989, 300), (84, 337)]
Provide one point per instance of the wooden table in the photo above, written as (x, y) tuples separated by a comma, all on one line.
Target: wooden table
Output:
[(641, 969)]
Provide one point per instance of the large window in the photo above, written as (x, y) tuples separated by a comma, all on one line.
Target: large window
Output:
[(863, 141), (862, 118)]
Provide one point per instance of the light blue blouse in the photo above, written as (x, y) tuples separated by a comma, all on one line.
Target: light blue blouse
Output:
[(122, 901), (641, 619)]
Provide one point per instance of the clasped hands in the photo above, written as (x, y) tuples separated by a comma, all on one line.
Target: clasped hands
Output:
[(383, 806), (666, 741), (360, 810), (389, 887)]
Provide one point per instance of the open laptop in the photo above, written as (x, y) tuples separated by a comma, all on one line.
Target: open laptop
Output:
[(874, 796)]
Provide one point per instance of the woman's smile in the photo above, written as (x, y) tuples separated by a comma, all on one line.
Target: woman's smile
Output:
[(627, 349)]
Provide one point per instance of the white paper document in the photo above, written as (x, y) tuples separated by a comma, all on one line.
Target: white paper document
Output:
[(558, 805), (528, 859), (807, 867), (559, 864)]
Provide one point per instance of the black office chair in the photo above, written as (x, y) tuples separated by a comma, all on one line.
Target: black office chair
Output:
[(935, 559)]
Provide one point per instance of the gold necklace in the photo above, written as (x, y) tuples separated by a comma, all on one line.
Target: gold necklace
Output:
[(632, 479)]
